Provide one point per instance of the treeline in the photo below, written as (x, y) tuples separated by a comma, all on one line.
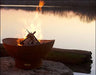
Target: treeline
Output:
[(91, 3)]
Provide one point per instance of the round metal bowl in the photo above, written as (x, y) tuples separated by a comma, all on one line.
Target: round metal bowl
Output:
[(27, 57)]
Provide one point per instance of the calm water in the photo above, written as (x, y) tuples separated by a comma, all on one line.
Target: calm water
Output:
[(71, 29)]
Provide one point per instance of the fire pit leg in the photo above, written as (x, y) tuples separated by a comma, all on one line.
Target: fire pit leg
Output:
[(28, 65)]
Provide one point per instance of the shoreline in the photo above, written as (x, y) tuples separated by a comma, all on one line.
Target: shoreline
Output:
[(61, 3)]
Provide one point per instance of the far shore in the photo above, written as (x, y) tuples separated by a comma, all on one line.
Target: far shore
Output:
[(74, 3)]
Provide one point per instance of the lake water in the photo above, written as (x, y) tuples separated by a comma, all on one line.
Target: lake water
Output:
[(71, 29)]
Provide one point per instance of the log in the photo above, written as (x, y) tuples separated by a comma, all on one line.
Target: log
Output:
[(30, 39), (81, 68), (22, 42), (70, 56)]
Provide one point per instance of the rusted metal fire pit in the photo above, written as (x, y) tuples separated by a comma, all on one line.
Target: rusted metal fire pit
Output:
[(27, 57)]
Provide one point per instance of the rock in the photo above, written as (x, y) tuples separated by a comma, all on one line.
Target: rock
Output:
[(48, 68)]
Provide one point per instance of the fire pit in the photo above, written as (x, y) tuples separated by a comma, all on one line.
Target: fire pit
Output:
[(27, 57)]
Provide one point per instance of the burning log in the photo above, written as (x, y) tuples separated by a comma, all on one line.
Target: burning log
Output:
[(30, 39)]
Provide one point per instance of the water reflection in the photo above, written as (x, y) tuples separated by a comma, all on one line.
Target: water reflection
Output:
[(85, 14)]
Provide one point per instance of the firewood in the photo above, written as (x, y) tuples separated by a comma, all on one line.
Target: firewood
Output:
[(30, 39), (22, 42)]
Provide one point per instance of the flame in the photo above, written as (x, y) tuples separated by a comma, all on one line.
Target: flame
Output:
[(41, 4), (18, 42), (34, 23)]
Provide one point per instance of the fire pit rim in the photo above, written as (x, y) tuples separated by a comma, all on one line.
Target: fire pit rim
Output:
[(53, 40)]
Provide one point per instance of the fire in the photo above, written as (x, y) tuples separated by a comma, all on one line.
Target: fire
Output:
[(18, 42), (41, 4), (35, 23)]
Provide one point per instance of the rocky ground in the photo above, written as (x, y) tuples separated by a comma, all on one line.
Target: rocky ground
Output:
[(48, 68)]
